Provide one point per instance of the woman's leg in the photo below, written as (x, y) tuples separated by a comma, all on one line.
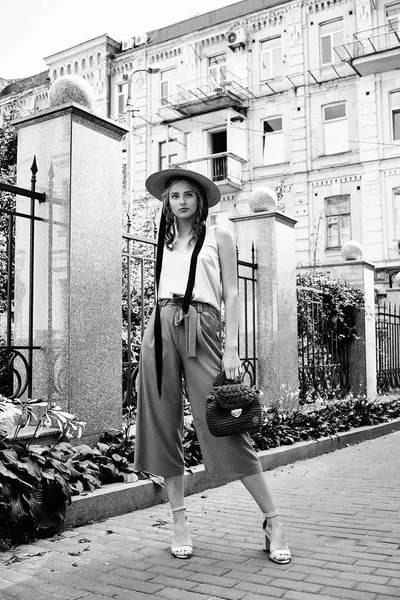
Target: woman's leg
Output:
[(258, 488), (181, 542)]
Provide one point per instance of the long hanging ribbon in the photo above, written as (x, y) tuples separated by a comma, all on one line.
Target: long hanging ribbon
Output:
[(157, 318), (186, 299)]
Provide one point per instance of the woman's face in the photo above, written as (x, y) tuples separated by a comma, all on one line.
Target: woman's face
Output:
[(183, 200)]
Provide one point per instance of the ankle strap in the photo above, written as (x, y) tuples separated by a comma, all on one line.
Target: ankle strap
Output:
[(269, 515), (178, 508)]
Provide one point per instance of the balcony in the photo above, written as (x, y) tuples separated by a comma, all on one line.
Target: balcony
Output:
[(202, 96), (375, 50), (224, 169)]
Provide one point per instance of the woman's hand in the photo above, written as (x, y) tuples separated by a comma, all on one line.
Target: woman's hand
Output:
[(231, 364)]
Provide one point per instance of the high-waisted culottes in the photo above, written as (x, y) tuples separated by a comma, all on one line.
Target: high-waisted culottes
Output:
[(159, 427)]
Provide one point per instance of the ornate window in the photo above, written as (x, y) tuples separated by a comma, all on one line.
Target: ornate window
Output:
[(337, 213)]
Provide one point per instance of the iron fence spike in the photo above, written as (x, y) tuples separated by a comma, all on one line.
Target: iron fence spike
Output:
[(34, 167)]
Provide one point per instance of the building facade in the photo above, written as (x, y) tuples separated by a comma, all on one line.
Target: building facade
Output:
[(301, 96)]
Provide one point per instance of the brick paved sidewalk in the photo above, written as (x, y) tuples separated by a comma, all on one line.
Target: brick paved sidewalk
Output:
[(341, 512)]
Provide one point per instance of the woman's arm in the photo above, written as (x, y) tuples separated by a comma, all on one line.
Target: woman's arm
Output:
[(227, 259)]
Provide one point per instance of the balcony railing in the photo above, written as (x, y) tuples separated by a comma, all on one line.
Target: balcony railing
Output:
[(224, 168), (370, 41), (203, 95)]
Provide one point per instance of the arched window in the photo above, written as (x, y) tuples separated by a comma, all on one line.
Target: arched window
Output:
[(76, 66), (98, 58), (90, 61), (83, 64), (55, 74), (62, 71), (69, 69)]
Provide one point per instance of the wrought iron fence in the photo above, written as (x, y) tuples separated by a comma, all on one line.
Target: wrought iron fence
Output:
[(16, 361), (323, 349), (387, 327), (247, 339), (138, 261)]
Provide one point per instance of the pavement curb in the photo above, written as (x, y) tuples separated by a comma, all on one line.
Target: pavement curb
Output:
[(121, 498)]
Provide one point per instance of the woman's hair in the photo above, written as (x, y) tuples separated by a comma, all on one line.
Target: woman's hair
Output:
[(200, 216)]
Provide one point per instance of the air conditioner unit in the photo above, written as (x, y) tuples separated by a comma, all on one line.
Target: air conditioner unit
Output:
[(141, 39), (127, 44), (236, 37)]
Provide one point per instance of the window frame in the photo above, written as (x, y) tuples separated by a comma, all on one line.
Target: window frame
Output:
[(340, 218), (164, 98), (396, 214), (394, 112), (121, 99), (331, 35), (396, 17), (220, 68), (269, 134), (326, 121), (164, 155), (270, 51)]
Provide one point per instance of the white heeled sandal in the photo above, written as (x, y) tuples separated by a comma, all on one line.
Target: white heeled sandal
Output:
[(180, 550), (281, 556)]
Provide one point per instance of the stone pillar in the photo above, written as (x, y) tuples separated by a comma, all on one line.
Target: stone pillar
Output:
[(273, 237), (77, 300), (360, 274)]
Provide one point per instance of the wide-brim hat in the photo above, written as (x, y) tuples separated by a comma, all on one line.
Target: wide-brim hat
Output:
[(158, 182)]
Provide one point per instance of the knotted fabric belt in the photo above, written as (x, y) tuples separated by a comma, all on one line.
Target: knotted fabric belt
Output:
[(191, 321)]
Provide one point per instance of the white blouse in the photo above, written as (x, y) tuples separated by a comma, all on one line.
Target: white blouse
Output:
[(175, 272)]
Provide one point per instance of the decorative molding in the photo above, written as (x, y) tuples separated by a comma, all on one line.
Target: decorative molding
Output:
[(164, 53), (264, 22), (213, 39), (316, 6), (344, 179)]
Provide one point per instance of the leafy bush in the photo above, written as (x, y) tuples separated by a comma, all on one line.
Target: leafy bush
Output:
[(327, 312), (37, 482), (338, 309), (328, 418)]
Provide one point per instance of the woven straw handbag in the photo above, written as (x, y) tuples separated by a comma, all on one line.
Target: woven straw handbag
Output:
[(232, 408)]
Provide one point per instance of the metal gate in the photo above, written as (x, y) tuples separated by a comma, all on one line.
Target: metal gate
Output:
[(387, 328), (247, 339), (323, 349), (16, 362)]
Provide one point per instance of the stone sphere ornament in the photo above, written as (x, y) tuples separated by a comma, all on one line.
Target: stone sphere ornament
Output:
[(71, 88), (352, 250), (263, 199), (396, 280)]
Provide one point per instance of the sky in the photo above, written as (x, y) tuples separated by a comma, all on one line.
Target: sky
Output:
[(33, 29)]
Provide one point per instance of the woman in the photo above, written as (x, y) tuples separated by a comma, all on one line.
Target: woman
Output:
[(195, 269)]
